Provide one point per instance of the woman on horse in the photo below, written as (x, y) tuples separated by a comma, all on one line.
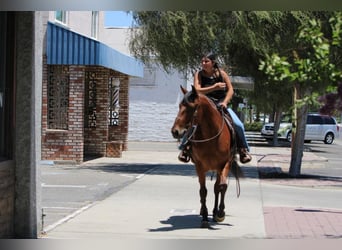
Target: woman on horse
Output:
[(214, 82)]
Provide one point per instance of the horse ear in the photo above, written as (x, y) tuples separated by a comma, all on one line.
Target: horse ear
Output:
[(184, 90), (193, 90), (194, 93)]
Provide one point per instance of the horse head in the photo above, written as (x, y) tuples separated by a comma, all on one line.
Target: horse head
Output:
[(187, 108)]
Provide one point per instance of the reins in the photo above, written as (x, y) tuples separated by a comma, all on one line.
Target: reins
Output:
[(209, 139)]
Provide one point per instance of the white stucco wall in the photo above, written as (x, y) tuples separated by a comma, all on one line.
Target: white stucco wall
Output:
[(153, 100), (80, 21), (117, 38)]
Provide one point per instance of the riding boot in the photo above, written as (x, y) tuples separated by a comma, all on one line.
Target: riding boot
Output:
[(244, 155), (184, 155)]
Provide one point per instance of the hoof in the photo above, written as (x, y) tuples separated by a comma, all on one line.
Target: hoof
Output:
[(220, 217), (205, 224)]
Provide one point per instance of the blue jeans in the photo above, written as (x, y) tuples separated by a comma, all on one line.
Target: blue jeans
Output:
[(240, 130)]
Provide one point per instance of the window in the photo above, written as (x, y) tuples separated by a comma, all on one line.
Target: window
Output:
[(60, 16), (94, 24), (328, 120), (314, 119), (58, 97), (7, 85)]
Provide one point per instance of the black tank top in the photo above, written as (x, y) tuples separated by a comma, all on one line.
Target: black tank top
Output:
[(217, 95)]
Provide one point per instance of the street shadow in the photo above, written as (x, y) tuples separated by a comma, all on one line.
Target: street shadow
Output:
[(277, 173), (308, 210), (269, 143), (142, 168), (182, 222), (316, 148), (248, 171), (162, 169)]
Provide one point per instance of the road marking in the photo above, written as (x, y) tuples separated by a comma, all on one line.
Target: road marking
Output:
[(103, 184), (66, 218), (127, 175), (67, 208), (146, 172), (182, 211), (63, 186)]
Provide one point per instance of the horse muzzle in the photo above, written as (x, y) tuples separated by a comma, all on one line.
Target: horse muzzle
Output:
[(177, 133)]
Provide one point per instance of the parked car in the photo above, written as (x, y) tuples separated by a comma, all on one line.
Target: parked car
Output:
[(318, 128)]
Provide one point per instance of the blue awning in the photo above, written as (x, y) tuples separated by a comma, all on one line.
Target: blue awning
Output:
[(66, 47)]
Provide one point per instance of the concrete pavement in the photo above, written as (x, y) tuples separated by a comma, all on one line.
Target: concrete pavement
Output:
[(163, 203)]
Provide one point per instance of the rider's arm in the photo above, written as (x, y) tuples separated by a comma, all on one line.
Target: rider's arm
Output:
[(229, 86)]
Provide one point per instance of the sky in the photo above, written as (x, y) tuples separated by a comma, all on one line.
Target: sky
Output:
[(118, 19)]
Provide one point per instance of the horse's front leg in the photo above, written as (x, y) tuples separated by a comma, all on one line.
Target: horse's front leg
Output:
[(219, 213), (220, 189), (203, 197)]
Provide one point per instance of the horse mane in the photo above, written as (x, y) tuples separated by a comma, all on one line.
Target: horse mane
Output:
[(215, 109), (190, 97), (210, 101)]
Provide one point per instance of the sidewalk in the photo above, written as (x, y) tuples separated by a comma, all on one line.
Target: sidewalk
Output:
[(316, 215), (164, 202)]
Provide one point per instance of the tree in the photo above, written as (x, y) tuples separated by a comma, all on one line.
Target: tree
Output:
[(332, 100), (177, 39), (310, 70)]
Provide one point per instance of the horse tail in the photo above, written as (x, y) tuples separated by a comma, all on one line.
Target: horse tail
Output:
[(235, 167), (237, 172)]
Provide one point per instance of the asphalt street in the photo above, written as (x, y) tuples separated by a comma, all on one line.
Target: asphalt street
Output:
[(69, 190)]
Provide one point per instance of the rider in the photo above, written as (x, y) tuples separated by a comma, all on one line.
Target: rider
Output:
[(215, 84)]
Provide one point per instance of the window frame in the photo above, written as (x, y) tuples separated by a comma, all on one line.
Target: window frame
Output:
[(63, 16), (94, 24)]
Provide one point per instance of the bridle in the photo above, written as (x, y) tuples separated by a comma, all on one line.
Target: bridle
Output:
[(194, 127)]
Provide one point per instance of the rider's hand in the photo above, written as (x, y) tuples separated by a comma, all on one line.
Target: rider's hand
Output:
[(223, 105), (220, 85)]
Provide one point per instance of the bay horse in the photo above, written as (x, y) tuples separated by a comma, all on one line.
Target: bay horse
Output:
[(212, 148)]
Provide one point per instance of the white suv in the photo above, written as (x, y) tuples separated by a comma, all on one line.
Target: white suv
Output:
[(318, 128)]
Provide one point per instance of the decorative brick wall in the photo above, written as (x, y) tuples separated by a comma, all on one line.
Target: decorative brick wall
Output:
[(105, 140), (65, 145), (6, 199), (95, 137), (120, 133), (81, 139)]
